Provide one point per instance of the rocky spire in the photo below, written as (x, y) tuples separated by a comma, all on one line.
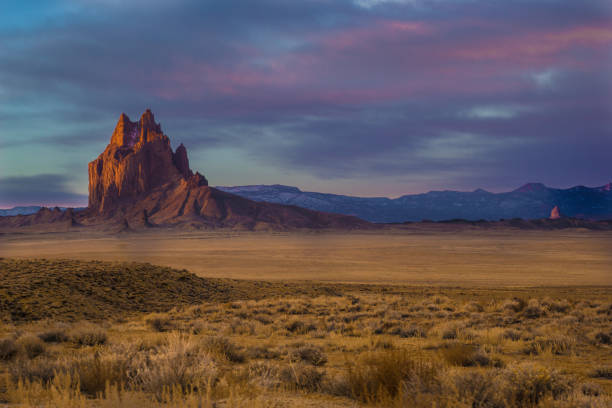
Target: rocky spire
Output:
[(138, 159), (149, 130), (555, 214), (182, 162)]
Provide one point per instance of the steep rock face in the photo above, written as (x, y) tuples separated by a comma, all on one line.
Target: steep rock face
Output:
[(137, 159), (181, 162)]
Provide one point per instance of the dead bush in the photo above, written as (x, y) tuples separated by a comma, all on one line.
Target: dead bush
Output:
[(95, 372), (515, 305), (380, 376), (557, 344), (309, 354), (303, 377), (465, 355), (31, 345), (512, 334), (56, 334), (88, 335), (533, 310), (262, 352), (526, 384), (224, 348), (159, 322)]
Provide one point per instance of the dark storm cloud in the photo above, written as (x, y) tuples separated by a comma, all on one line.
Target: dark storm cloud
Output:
[(477, 93), (40, 189)]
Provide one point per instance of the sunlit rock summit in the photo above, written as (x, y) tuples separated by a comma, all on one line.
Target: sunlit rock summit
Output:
[(137, 160)]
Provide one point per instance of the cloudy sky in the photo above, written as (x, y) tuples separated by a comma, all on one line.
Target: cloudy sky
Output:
[(360, 97)]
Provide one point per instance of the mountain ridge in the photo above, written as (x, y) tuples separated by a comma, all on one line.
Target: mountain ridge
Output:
[(529, 201)]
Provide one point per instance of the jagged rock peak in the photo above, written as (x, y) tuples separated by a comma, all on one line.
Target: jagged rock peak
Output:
[(198, 180), (182, 162), (129, 134), (137, 160), (555, 214)]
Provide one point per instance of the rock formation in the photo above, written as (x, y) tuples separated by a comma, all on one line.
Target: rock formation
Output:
[(137, 159), (555, 214), (139, 181)]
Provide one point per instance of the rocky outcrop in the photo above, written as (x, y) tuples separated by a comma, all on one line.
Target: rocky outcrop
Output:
[(138, 159), (555, 214), (181, 162), (138, 181)]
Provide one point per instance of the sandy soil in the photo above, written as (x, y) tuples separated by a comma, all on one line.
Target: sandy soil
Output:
[(481, 258)]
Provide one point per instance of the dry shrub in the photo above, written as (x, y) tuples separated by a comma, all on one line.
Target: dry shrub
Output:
[(465, 355), (533, 310), (474, 388), (159, 322), (511, 334), (88, 335), (31, 345), (8, 349), (381, 376), (302, 377), (555, 344), (299, 327), (225, 349), (42, 369), (383, 344), (181, 364), (54, 335), (309, 354), (515, 305), (449, 333), (413, 331), (94, 373), (473, 307), (526, 384), (561, 306), (258, 352), (264, 374)]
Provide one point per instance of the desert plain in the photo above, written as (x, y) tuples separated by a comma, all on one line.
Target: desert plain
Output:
[(405, 316), (417, 255)]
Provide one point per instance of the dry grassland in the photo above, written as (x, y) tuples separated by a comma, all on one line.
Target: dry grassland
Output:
[(310, 345)]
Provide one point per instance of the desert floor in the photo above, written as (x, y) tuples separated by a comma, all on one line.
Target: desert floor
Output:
[(413, 317), (423, 257)]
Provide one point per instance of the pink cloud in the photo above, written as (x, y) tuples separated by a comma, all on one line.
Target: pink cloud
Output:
[(537, 44), (385, 61)]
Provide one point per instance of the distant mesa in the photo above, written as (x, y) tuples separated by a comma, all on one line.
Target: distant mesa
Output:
[(531, 187), (555, 214)]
